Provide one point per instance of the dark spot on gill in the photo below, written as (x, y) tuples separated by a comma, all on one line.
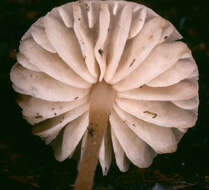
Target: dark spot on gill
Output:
[(76, 98), (132, 62), (38, 116), (154, 115), (100, 51)]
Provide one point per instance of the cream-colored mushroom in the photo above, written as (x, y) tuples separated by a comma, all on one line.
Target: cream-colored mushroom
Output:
[(112, 75)]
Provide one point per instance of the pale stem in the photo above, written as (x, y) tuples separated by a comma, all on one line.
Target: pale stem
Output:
[(101, 101)]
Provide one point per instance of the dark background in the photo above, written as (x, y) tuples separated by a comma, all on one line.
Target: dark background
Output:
[(26, 163)]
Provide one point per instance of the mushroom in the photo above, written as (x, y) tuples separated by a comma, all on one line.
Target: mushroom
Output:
[(112, 76)]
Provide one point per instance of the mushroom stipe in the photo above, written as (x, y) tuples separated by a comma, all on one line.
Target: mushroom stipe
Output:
[(101, 102), (112, 75)]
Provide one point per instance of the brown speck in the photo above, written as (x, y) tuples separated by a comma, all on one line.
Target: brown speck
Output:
[(38, 116), (86, 7), (154, 115), (132, 62), (91, 131), (166, 37), (133, 124), (79, 19), (53, 108), (100, 51), (151, 36), (55, 113), (76, 98)]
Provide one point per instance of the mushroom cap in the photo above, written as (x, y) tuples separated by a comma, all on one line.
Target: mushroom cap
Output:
[(125, 45)]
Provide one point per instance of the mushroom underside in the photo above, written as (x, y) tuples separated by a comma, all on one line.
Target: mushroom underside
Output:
[(109, 76)]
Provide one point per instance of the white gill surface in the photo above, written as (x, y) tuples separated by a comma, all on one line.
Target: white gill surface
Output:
[(125, 45)]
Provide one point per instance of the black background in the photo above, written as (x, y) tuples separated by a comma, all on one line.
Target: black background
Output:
[(26, 163)]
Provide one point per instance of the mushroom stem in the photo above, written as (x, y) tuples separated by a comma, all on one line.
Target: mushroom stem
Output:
[(101, 101)]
